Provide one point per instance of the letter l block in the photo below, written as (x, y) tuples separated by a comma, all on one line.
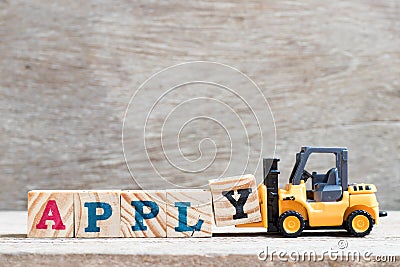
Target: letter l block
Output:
[(189, 213)]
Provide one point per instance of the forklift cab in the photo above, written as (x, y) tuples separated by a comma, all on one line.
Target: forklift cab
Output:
[(326, 187)]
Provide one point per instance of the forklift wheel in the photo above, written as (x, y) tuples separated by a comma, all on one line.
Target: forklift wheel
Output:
[(291, 223), (359, 223)]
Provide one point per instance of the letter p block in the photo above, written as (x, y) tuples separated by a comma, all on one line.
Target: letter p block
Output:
[(97, 213), (143, 213)]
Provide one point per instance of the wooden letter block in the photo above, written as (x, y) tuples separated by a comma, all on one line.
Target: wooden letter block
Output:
[(97, 213), (50, 213), (235, 200), (189, 213), (143, 213)]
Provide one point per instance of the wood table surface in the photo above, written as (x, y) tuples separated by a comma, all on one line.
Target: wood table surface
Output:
[(228, 245)]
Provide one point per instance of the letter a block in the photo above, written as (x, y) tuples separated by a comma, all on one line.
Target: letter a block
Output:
[(50, 213), (189, 213), (235, 200), (143, 213), (97, 213)]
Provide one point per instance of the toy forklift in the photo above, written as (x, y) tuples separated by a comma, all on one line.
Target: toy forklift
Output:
[(331, 203)]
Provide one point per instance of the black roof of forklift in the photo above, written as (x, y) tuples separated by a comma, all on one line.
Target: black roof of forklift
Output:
[(341, 154)]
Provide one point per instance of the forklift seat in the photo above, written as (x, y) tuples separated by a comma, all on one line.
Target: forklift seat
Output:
[(329, 191)]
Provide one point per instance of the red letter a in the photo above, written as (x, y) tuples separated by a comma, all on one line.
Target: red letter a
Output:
[(55, 216)]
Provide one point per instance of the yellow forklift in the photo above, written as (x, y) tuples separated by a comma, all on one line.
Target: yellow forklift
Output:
[(330, 203)]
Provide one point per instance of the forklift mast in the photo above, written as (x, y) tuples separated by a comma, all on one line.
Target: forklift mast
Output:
[(271, 173)]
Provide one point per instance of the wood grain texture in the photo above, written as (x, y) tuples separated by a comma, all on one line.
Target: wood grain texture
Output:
[(156, 227), (109, 227), (329, 69), (200, 209), (37, 202), (224, 211)]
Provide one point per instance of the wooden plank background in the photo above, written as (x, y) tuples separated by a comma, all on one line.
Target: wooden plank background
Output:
[(330, 71)]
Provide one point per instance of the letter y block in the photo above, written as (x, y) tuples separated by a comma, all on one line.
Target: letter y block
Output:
[(235, 200)]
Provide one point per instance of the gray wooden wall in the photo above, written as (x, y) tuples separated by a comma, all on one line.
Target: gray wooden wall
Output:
[(329, 69)]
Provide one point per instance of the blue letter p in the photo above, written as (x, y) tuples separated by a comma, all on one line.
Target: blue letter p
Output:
[(93, 217), (140, 215)]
